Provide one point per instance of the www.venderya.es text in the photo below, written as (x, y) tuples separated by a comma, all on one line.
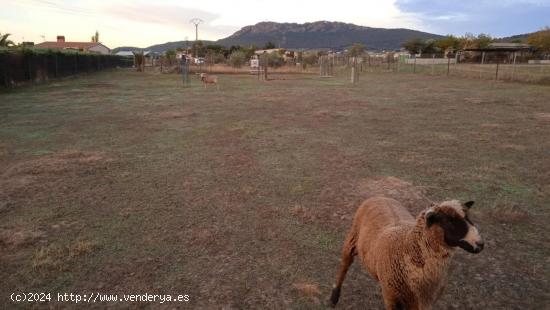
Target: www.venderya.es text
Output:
[(94, 297)]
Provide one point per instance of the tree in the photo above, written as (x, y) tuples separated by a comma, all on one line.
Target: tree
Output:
[(430, 47), (540, 40), (448, 43), (237, 59), (95, 37), (309, 59), (170, 56), (275, 60), (4, 42), (414, 46), (198, 49), (356, 50), (483, 40), (269, 45)]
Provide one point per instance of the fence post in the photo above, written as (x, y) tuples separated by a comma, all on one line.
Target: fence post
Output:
[(353, 70), (496, 73), (513, 67), (414, 65), (433, 64), (398, 62), (448, 65)]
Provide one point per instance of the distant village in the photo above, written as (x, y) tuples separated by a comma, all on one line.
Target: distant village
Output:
[(469, 48)]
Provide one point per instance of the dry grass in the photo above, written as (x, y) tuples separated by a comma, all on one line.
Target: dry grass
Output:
[(54, 257), (507, 214), (233, 196)]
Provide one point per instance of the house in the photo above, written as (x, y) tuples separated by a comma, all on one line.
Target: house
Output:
[(91, 47), (286, 54)]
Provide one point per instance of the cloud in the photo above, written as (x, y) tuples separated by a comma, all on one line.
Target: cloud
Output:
[(498, 18)]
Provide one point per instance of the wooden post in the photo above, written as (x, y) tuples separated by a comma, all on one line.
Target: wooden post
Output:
[(448, 65), (496, 73), (414, 65), (482, 62), (353, 70), (513, 67), (433, 63), (398, 63)]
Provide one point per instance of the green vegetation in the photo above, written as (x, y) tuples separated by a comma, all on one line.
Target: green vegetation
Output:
[(237, 59), (4, 41), (356, 50), (541, 40), (447, 44)]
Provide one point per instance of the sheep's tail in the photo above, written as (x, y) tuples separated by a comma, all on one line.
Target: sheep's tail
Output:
[(348, 253)]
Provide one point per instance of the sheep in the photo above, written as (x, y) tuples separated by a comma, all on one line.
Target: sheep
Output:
[(409, 258), (206, 79)]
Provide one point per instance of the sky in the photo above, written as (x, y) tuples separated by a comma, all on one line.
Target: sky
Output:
[(144, 23)]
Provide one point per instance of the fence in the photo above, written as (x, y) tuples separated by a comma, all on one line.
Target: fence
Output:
[(528, 70), (34, 66), (532, 72)]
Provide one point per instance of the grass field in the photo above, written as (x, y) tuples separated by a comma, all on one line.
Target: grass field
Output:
[(125, 182)]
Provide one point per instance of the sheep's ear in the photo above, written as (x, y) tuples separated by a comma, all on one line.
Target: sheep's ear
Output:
[(469, 204), (431, 218)]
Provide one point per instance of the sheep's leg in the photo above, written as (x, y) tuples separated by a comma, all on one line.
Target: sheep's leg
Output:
[(348, 253), (395, 301)]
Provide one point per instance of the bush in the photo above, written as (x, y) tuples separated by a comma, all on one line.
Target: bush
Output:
[(237, 59), (309, 59), (275, 60)]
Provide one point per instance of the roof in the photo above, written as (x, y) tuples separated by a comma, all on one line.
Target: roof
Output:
[(502, 47), (509, 45), (124, 53), (69, 45)]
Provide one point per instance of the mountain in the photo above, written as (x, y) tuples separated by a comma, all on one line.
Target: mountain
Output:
[(519, 38), (160, 48), (322, 34)]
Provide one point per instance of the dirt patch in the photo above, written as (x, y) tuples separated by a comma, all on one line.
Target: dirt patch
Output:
[(53, 164), (99, 85), (309, 290), (57, 257), (491, 125), (19, 177), (411, 196), (515, 147), (507, 214), (19, 237), (544, 117)]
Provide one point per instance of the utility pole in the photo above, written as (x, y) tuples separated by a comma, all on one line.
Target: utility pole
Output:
[(196, 22)]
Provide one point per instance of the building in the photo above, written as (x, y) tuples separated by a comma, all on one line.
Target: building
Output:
[(125, 54), (91, 47), (497, 52)]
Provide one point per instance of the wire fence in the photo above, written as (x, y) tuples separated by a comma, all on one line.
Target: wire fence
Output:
[(19, 67), (534, 71)]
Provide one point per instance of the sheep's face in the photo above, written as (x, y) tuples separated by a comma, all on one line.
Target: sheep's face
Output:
[(458, 229)]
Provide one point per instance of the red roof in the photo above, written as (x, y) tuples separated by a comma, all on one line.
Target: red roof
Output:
[(71, 45)]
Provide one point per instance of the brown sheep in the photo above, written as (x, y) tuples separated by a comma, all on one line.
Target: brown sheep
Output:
[(207, 79), (408, 257)]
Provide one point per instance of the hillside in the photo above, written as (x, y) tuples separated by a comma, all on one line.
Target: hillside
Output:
[(322, 34), (159, 48)]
